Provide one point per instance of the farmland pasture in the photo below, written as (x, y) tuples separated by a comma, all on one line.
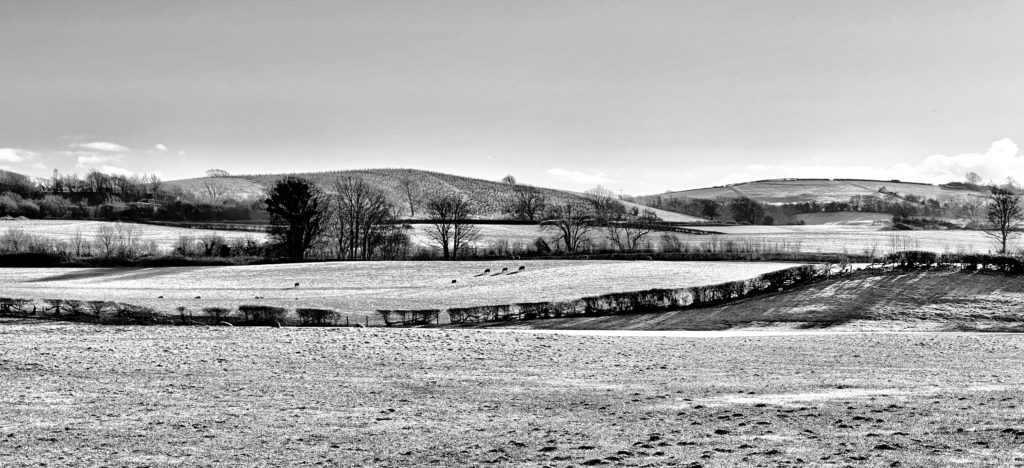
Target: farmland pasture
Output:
[(84, 395), (360, 288), (846, 239), (163, 236)]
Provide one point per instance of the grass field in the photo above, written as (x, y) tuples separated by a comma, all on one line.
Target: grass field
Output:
[(360, 288), (849, 239), (163, 236), (81, 395), (866, 301)]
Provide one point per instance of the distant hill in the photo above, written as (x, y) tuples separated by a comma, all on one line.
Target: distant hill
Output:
[(778, 191), (488, 196)]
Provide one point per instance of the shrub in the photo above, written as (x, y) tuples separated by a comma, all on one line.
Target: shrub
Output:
[(316, 317), (409, 317), (14, 307), (131, 314), (217, 314), (912, 258), (262, 314)]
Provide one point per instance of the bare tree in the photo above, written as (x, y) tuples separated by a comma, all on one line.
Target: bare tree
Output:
[(127, 238), (106, 240), (411, 191), (361, 218), (212, 190), (527, 202), (571, 221), (1004, 215), (973, 178), (606, 207), (449, 215), (628, 232), (153, 183)]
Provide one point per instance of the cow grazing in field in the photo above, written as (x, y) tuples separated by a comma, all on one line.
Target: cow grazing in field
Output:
[(296, 285), (454, 281)]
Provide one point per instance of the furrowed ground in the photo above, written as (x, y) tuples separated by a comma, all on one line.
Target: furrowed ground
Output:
[(82, 395)]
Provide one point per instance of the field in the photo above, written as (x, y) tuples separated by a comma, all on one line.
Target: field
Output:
[(163, 236), (846, 239), (360, 288), (80, 395), (865, 301), (847, 218), (820, 190)]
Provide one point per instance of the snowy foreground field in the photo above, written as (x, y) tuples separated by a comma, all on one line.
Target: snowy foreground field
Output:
[(84, 395), (360, 288)]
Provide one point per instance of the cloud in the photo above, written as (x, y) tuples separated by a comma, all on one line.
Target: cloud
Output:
[(87, 158), (12, 155), (115, 170), (579, 177), (1002, 159), (161, 147), (101, 146)]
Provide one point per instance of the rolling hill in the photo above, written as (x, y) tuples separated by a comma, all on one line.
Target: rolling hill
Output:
[(778, 191), (488, 196)]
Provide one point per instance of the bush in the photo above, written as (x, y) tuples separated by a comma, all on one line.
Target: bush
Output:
[(409, 317), (262, 314), (130, 314), (316, 317), (217, 314), (912, 259), (15, 307)]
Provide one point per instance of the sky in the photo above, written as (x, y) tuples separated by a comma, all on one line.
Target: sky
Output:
[(639, 97)]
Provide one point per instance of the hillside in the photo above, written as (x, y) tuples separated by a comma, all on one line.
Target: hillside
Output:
[(818, 190), (916, 300), (488, 196)]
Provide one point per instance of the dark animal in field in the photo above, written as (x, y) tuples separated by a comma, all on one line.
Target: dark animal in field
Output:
[(296, 285), (199, 297), (522, 268), (455, 281), (487, 270), (159, 297), (503, 270)]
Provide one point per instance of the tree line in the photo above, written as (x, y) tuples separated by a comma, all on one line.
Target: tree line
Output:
[(358, 221)]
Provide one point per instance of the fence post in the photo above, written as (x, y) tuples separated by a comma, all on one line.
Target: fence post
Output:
[(346, 320), (367, 321)]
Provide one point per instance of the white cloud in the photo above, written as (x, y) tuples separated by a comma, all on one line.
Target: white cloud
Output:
[(101, 146), (579, 177), (86, 158), (161, 147), (1003, 159), (11, 155), (115, 170)]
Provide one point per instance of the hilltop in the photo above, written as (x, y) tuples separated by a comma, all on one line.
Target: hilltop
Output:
[(488, 196), (779, 191)]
